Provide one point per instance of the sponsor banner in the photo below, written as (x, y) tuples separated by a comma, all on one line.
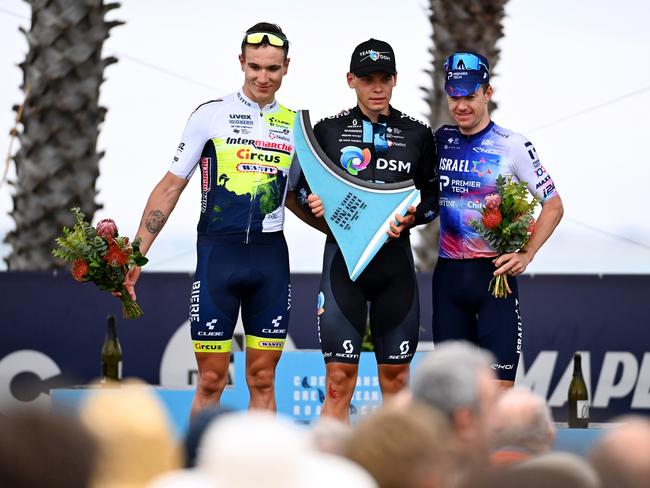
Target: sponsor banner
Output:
[(607, 318), (53, 329)]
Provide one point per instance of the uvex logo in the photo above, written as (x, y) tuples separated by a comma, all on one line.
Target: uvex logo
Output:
[(240, 116)]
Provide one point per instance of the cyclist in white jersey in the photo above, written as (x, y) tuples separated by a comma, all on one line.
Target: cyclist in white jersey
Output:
[(471, 154), (243, 145)]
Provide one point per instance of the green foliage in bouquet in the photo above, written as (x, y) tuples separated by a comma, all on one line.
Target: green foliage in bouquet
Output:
[(101, 256), (507, 222)]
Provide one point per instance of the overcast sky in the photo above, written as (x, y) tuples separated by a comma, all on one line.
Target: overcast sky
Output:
[(574, 77)]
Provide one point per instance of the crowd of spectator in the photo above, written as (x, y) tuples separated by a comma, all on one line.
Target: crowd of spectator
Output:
[(452, 428)]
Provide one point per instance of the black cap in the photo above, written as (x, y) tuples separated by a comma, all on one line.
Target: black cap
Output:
[(372, 55)]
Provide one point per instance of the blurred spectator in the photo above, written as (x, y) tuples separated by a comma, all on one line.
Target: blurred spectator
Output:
[(408, 446), (521, 426), (198, 425), (134, 434), (259, 449), (457, 380), (182, 478), (549, 470), (330, 435), (622, 456), (38, 450)]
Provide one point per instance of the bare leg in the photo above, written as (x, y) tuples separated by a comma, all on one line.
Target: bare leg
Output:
[(392, 379), (341, 378), (260, 377), (213, 375)]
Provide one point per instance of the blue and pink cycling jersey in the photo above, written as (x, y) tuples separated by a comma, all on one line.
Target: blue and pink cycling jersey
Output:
[(468, 168)]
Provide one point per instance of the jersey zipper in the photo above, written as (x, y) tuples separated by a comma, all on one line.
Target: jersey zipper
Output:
[(250, 208)]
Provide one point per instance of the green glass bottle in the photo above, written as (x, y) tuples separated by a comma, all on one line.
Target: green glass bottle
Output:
[(578, 397), (111, 353)]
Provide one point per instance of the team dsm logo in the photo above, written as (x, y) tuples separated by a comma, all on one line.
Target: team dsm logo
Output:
[(393, 165)]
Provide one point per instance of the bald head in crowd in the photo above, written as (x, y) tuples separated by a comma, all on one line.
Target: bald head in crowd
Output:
[(622, 456), (522, 420)]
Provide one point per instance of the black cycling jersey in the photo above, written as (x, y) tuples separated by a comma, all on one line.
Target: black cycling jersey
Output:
[(396, 148)]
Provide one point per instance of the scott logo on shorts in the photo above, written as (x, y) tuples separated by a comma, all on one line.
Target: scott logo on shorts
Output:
[(348, 347), (404, 348)]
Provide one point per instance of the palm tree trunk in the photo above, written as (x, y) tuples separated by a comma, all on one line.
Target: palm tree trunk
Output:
[(57, 164), (472, 25)]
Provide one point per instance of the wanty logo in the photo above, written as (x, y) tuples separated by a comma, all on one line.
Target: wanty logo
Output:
[(354, 159)]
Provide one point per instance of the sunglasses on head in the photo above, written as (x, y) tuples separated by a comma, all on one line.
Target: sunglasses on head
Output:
[(467, 61), (276, 40)]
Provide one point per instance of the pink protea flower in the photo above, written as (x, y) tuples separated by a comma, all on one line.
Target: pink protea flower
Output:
[(493, 200), (106, 228)]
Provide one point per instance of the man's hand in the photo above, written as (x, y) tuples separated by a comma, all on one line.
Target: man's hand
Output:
[(403, 223), (316, 205), (131, 279), (513, 263)]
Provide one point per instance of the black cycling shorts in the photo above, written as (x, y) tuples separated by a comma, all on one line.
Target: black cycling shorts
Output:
[(231, 274), (463, 308), (389, 286)]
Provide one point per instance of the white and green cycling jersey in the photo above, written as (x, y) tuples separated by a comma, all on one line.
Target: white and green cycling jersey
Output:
[(245, 153)]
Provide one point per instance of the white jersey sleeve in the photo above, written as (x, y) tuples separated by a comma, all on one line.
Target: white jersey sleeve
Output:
[(197, 132), (527, 167)]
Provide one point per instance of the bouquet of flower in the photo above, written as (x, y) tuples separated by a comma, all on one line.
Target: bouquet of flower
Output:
[(507, 222), (101, 256)]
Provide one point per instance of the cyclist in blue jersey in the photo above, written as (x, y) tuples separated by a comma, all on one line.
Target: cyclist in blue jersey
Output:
[(243, 145), (471, 155)]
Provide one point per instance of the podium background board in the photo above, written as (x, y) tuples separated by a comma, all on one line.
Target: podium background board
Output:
[(52, 329)]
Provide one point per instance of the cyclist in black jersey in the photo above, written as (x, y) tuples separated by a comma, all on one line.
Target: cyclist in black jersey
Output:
[(383, 145), (243, 145)]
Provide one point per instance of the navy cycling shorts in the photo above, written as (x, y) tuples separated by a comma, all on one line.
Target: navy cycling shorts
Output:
[(463, 308), (389, 286), (231, 274)]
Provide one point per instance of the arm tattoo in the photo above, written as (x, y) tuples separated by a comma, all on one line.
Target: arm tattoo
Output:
[(155, 221)]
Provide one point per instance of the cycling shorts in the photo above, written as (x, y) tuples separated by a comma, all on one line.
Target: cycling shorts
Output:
[(232, 273), (464, 309), (389, 286)]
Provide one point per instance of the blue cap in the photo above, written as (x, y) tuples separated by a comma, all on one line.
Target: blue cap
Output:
[(465, 72)]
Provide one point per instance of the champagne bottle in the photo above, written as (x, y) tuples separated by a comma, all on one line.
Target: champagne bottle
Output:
[(111, 353), (578, 397)]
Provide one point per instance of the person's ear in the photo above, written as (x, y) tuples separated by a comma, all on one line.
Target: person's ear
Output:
[(351, 80)]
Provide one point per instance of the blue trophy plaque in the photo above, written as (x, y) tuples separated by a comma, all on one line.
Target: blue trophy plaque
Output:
[(357, 212)]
